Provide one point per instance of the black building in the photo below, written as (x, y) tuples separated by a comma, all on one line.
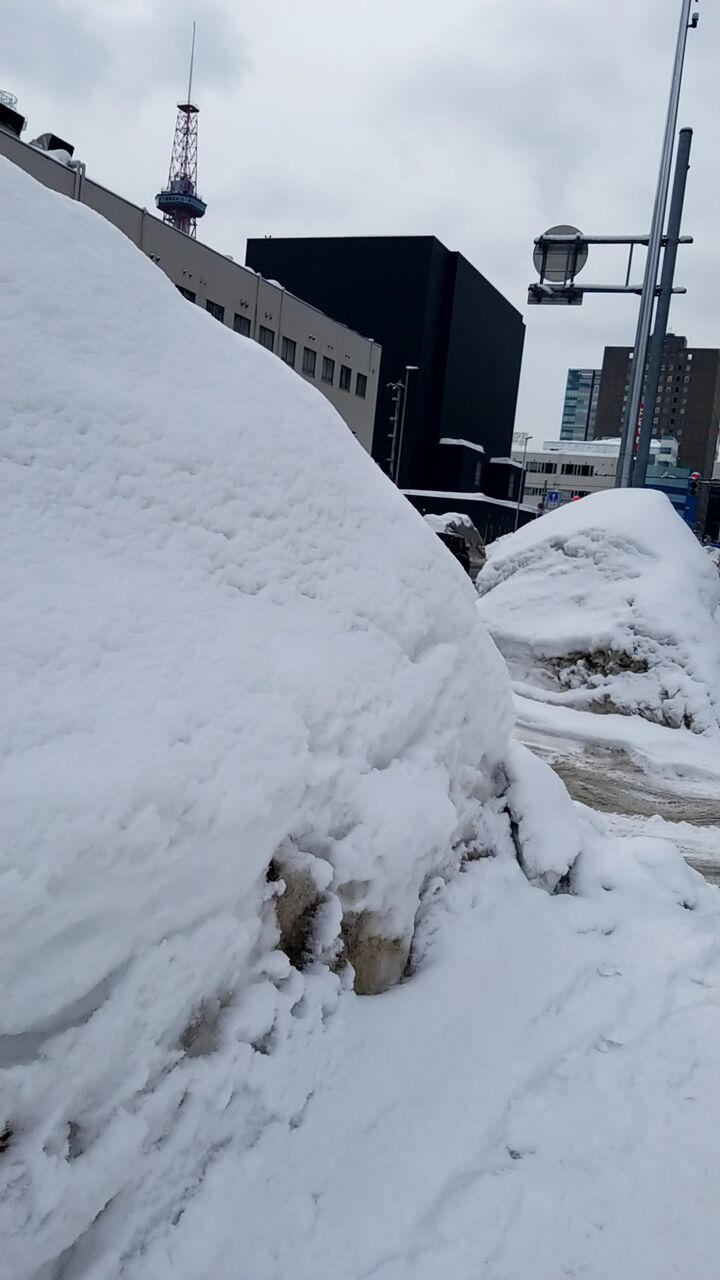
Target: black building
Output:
[(428, 307)]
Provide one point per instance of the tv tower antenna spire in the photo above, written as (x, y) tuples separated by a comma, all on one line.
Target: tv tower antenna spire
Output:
[(179, 202)]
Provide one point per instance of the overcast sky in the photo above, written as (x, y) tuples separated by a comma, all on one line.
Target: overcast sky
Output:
[(480, 123)]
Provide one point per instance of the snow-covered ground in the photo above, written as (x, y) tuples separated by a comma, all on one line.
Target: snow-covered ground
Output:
[(609, 605), (256, 759), (540, 1100)]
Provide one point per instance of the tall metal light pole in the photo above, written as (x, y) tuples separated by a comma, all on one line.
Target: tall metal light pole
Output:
[(395, 420), (662, 311), (647, 298), (409, 368), (523, 436)]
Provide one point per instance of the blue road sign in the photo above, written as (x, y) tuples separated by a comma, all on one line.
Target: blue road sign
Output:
[(553, 497)]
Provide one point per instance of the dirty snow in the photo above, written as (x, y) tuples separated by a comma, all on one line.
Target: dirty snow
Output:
[(229, 639), (609, 604)]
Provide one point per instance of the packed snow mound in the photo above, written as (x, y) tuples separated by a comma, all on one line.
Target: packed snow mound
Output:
[(451, 522), (247, 700), (609, 604), (250, 714), (226, 630)]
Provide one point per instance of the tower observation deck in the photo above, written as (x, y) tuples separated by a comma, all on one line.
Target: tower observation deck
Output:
[(179, 201)]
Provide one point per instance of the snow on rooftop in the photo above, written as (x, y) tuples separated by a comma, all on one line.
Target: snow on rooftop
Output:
[(449, 521), (602, 447), (464, 444), (466, 497), (609, 602)]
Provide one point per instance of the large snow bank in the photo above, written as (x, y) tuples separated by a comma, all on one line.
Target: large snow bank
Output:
[(234, 660), (609, 604)]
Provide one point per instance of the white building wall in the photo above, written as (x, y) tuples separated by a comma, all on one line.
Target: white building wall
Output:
[(233, 291), (577, 468)]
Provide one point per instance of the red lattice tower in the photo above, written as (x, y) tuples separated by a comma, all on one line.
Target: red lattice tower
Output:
[(179, 202)]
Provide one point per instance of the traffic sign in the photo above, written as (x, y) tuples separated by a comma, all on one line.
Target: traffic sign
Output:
[(553, 497), (560, 260)]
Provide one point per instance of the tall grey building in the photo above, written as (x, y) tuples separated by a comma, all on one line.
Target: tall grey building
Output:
[(581, 401), (687, 405)]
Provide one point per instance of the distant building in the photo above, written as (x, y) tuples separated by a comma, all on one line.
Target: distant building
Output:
[(341, 363), (567, 469), (430, 308), (580, 406), (687, 405)]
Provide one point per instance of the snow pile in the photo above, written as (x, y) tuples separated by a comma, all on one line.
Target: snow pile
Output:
[(609, 604), (253, 731), (246, 700), (451, 522), (461, 527)]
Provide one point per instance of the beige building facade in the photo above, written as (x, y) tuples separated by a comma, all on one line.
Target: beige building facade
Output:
[(342, 364), (567, 469)]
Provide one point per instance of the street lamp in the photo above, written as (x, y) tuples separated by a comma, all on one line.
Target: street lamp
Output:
[(647, 298), (400, 389), (561, 253), (522, 437), (409, 368)]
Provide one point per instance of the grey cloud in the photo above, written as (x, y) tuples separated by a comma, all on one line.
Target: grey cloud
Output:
[(77, 49), (45, 42)]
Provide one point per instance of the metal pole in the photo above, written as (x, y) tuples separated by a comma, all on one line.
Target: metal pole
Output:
[(192, 62), (520, 484), (395, 388), (409, 368), (647, 298), (657, 342)]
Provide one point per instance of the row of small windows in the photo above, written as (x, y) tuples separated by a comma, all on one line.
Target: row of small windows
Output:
[(288, 349), (566, 468), (539, 491)]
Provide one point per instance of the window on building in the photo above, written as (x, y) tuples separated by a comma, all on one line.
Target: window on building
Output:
[(328, 370), (216, 311), (345, 377), (288, 351), (266, 337), (241, 324), (361, 385), (188, 293), (478, 474), (309, 361)]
